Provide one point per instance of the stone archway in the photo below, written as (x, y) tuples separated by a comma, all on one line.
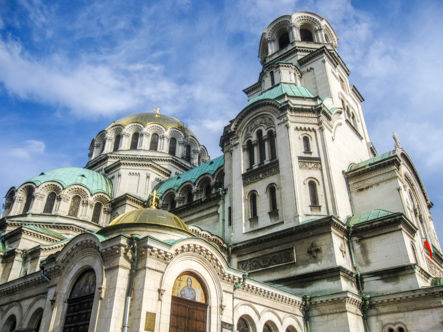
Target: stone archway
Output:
[(189, 308)]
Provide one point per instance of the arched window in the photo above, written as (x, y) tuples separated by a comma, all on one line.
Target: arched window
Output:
[(80, 303), (97, 212), (35, 320), (253, 205), (243, 326), (188, 153), (173, 204), (283, 41), (250, 149), (261, 146), (313, 192), (272, 199), (272, 78), (10, 324), (271, 139), (154, 142), (267, 328), (208, 190), (29, 199), (306, 144), (306, 35), (134, 141), (172, 146), (117, 143), (354, 120), (189, 197), (103, 147), (49, 205), (75, 206)]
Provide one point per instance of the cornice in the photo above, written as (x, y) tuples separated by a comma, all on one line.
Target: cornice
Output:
[(23, 284), (384, 225)]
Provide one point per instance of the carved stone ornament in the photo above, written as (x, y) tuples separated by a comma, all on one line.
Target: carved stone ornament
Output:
[(274, 259), (257, 176), (309, 165), (342, 248), (265, 121), (313, 250)]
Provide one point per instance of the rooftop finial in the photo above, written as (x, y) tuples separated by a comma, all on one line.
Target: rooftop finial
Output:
[(397, 141), (154, 202), (157, 110)]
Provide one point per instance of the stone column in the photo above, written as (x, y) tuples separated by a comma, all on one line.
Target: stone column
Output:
[(267, 149), (125, 141), (108, 144), (144, 144), (256, 154), (293, 33), (36, 205)]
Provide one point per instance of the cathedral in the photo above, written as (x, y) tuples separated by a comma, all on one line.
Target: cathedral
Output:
[(299, 225)]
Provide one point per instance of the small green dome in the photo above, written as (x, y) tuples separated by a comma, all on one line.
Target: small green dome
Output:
[(69, 176), (151, 216)]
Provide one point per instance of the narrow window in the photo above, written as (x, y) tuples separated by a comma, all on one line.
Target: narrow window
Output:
[(49, 205), (306, 35), (342, 84), (261, 146), (271, 138), (117, 143), (272, 199), (75, 206), (229, 216), (283, 41), (242, 325), (134, 141), (354, 120), (103, 147), (208, 190), (154, 142), (306, 144), (97, 212), (313, 192), (189, 197), (173, 204), (250, 148), (253, 199), (272, 78), (199, 159), (29, 199), (188, 153), (172, 146)]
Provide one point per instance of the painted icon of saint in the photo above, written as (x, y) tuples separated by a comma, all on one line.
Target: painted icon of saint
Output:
[(188, 292)]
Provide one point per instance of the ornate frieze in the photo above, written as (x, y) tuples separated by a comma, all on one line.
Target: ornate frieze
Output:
[(261, 173), (302, 164), (371, 181), (265, 121), (434, 269), (266, 261)]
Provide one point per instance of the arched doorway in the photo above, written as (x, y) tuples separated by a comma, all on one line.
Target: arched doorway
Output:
[(189, 304), (80, 302)]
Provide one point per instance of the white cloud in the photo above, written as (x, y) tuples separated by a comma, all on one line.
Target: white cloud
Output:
[(30, 149)]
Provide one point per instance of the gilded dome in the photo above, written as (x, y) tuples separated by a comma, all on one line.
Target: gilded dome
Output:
[(151, 216), (147, 118)]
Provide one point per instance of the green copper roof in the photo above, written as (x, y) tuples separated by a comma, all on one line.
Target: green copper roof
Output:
[(192, 175), (69, 176), (279, 90), (45, 231), (370, 161), (2, 246), (374, 214)]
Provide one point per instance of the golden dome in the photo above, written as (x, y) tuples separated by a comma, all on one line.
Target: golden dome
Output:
[(151, 216), (147, 118)]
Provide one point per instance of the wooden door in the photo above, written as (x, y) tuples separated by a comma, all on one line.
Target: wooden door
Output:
[(187, 315)]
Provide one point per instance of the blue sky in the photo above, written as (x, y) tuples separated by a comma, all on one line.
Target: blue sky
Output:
[(70, 68)]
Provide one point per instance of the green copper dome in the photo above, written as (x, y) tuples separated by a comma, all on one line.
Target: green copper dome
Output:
[(151, 216), (69, 176)]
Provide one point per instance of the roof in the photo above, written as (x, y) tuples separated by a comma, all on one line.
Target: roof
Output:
[(192, 175), (45, 231), (290, 90), (150, 216), (371, 161), (147, 118), (69, 176), (373, 214)]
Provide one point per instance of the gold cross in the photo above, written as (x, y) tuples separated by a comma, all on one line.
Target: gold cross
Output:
[(154, 202), (157, 110)]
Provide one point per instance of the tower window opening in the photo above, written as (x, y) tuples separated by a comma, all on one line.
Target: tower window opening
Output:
[(134, 141), (229, 216), (306, 35), (188, 153), (97, 212), (154, 142), (283, 40), (306, 144), (29, 199), (117, 143), (172, 146), (313, 193), (271, 139), (253, 202), (74, 207), (250, 149), (272, 199), (261, 146), (189, 197), (173, 204), (49, 205), (272, 78), (208, 190)]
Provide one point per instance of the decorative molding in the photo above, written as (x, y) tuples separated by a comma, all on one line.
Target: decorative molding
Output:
[(267, 261), (309, 165), (265, 121), (261, 173), (313, 250)]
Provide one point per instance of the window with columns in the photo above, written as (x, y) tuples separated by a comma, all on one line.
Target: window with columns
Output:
[(97, 212), (134, 141), (283, 40), (272, 78), (154, 142), (272, 193), (306, 35), (50, 201), (261, 147), (172, 146), (74, 207), (253, 205), (117, 143), (29, 200), (188, 153), (271, 139), (251, 156)]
